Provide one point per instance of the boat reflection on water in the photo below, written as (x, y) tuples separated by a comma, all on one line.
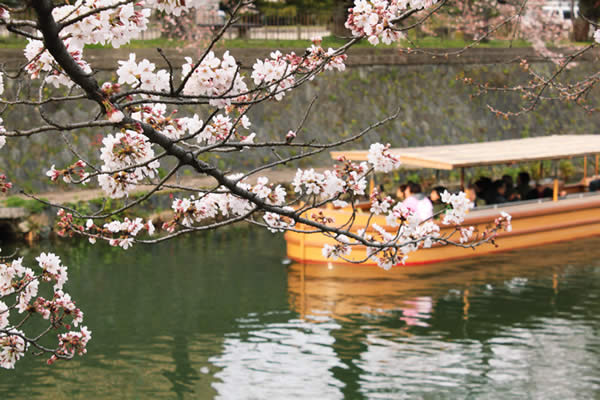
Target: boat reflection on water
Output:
[(318, 291)]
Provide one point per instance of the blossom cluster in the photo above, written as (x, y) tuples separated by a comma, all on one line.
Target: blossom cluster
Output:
[(128, 158), (331, 184), (4, 14), (392, 248), (77, 169), (192, 210), (217, 79), (277, 73), (22, 283), (118, 233), (277, 222), (40, 61), (405, 232), (2, 129), (375, 18), (316, 56), (382, 160), (117, 24), (541, 27), (96, 22), (220, 128), (160, 119), (142, 75), (4, 185), (84, 24), (504, 221), (175, 7), (340, 249), (460, 205), (379, 204), (274, 73), (328, 184)]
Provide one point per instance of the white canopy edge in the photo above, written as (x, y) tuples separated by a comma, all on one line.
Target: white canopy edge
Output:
[(512, 151)]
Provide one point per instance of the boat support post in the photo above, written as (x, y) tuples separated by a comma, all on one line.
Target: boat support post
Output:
[(555, 188)]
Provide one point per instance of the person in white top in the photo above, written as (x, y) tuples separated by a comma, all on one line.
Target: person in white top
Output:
[(417, 202)]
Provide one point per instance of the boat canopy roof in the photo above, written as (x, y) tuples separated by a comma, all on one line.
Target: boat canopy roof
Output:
[(490, 153)]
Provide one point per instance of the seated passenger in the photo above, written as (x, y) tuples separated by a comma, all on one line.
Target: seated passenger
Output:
[(511, 193), (401, 192), (523, 187), (471, 193), (499, 192), (484, 188), (436, 194), (417, 202), (436, 198), (540, 191), (595, 185)]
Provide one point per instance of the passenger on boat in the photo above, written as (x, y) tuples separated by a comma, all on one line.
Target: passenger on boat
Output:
[(417, 202), (436, 194), (471, 193), (523, 187), (540, 191), (436, 198), (401, 192), (484, 188), (595, 185), (498, 194), (511, 193)]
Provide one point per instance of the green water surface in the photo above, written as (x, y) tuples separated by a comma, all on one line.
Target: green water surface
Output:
[(220, 316)]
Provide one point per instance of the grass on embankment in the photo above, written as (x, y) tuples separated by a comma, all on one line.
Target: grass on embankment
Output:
[(329, 41)]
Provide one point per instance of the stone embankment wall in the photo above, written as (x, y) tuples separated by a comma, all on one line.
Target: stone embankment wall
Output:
[(435, 106)]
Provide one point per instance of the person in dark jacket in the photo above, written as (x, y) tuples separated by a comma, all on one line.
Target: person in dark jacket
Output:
[(523, 187), (499, 192)]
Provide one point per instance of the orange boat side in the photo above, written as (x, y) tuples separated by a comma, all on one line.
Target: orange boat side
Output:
[(533, 224)]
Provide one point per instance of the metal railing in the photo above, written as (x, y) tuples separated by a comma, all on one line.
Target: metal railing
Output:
[(254, 26)]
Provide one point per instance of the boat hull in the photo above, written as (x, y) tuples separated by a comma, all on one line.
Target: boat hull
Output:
[(533, 224)]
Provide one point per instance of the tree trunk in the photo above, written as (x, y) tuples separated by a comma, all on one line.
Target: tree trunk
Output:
[(581, 30), (340, 14)]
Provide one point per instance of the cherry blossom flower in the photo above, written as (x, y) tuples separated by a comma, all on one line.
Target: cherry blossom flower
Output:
[(466, 234), (375, 18), (381, 159), (22, 283), (126, 150), (278, 223), (12, 348), (460, 206), (4, 14)]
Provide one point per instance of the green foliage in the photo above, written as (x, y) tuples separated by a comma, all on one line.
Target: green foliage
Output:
[(512, 171), (12, 42), (298, 6), (413, 177), (566, 169), (33, 206), (459, 42)]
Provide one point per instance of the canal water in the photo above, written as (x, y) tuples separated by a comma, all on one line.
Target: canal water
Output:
[(220, 316)]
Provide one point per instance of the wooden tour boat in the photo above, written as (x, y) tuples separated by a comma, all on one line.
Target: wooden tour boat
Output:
[(534, 222)]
